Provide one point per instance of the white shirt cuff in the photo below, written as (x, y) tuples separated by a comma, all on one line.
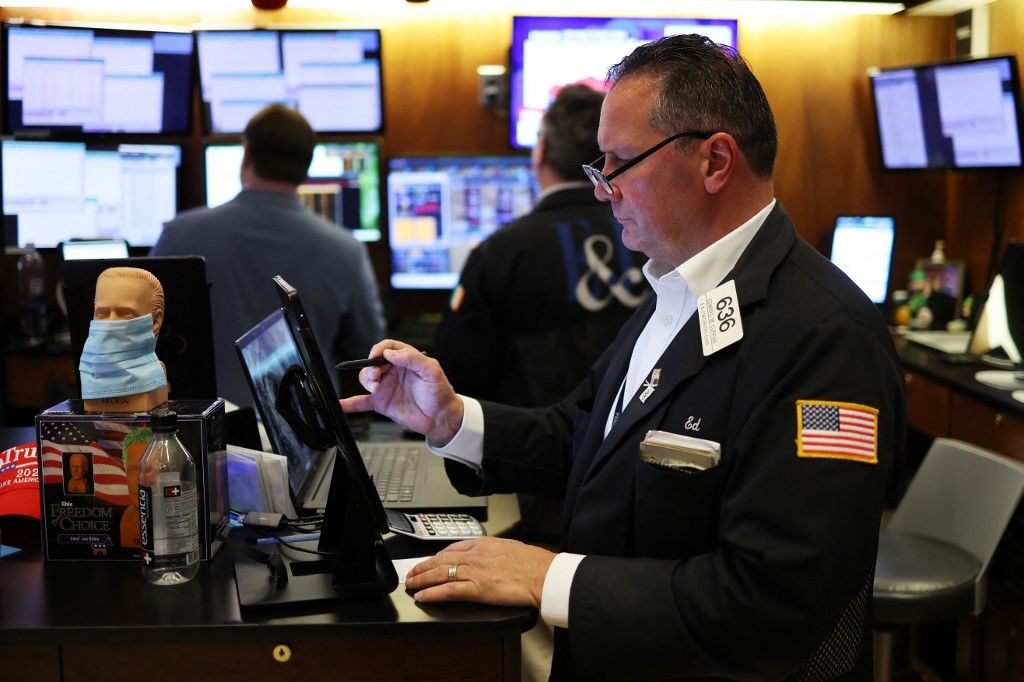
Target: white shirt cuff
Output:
[(554, 598), (467, 446)]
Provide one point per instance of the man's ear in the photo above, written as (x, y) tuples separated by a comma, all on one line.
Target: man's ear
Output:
[(721, 153), (158, 319)]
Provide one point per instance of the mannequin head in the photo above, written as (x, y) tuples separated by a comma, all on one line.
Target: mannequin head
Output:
[(127, 293)]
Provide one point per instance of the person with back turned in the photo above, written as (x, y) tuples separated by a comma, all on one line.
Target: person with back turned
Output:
[(266, 230), (724, 463)]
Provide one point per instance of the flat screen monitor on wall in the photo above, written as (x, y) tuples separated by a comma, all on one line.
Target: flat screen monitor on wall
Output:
[(333, 77), (343, 184), (96, 80), (550, 52), (949, 115), (54, 192), (439, 208)]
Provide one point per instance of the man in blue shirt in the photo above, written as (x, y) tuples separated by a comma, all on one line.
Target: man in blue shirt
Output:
[(266, 230)]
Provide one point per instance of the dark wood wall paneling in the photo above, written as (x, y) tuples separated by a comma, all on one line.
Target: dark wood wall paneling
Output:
[(814, 71)]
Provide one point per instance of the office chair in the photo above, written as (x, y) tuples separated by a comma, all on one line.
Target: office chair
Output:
[(934, 554)]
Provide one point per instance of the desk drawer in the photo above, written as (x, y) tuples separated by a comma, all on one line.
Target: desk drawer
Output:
[(927, 405), (982, 425), (297, 657)]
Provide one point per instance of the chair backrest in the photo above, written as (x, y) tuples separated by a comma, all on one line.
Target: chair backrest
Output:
[(963, 495)]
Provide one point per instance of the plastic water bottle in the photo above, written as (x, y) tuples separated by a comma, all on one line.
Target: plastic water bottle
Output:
[(168, 515), (32, 294)]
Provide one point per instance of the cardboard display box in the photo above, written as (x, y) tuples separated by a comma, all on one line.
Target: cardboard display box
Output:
[(88, 482)]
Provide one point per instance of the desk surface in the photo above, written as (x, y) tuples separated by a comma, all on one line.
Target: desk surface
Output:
[(97, 602), (85, 602), (929, 363)]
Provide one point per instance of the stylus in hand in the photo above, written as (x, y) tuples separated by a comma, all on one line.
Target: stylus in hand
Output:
[(348, 365)]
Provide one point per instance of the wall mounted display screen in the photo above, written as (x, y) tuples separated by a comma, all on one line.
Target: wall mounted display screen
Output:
[(332, 77), (439, 208), (57, 191), (550, 52), (96, 80), (949, 115), (343, 184)]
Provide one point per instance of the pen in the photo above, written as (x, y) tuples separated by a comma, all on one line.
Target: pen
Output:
[(359, 364), (301, 537)]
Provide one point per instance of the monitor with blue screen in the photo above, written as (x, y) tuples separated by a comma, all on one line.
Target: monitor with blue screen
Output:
[(440, 207), (862, 248), (551, 52), (54, 192), (343, 183), (83, 79)]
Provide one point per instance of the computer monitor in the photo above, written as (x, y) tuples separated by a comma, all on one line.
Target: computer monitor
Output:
[(54, 192), (93, 249), (862, 247), (949, 115), (343, 184), (333, 77), (440, 207), (551, 52), (96, 80), (999, 327)]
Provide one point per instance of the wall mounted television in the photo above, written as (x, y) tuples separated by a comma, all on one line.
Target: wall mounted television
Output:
[(440, 207), (550, 52), (79, 79), (951, 115), (343, 183), (54, 192), (333, 77)]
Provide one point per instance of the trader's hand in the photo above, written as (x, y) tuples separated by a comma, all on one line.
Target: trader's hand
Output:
[(412, 391), (487, 570)]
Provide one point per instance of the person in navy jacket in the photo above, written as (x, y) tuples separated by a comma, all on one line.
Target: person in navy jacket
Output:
[(723, 465)]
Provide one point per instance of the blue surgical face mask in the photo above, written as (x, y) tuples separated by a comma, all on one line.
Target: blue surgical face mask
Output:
[(119, 359)]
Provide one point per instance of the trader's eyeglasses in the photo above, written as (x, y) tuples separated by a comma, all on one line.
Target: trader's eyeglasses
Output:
[(604, 181)]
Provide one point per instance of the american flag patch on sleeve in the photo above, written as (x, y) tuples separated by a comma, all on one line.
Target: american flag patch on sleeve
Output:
[(834, 430)]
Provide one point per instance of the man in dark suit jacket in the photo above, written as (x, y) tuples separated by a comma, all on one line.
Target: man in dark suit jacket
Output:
[(724, 463), (557, 282)]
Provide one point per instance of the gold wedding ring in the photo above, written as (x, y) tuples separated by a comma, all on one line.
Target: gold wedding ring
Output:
[(453, 569)]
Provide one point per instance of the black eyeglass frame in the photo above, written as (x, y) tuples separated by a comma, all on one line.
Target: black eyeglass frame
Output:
[(604, 181)]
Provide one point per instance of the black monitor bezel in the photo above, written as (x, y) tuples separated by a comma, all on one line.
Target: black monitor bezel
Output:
[(100, 143), (205, 117), (6, 124), (1015, 89), (353, 476), (892, 248)]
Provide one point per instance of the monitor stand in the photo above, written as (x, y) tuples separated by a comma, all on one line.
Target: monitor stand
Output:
[(358, 567)]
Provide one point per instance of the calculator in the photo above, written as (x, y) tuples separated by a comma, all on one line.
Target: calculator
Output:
[(434, 525)]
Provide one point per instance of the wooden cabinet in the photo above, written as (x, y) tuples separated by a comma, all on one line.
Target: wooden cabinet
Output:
[(928, 405), (994, 429)]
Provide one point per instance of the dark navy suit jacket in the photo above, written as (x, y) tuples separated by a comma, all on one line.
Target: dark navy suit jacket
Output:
[(760, 567)]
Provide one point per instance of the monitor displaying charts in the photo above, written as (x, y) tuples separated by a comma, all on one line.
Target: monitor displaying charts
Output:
[(333, 77), (343, 184), (440, 207), (54, 192), (83, 79)]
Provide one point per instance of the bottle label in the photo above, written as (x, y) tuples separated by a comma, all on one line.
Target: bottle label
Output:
[(169, 528)]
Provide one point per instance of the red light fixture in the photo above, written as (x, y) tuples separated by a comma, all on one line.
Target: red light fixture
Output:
[(269, 4)]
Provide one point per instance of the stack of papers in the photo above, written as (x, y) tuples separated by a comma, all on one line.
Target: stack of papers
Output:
[(674, 451)]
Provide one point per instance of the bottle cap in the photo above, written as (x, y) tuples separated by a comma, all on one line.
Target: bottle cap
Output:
[(163, 420)]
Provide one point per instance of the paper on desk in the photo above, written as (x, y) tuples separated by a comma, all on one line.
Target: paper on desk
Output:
[(403, 566)]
